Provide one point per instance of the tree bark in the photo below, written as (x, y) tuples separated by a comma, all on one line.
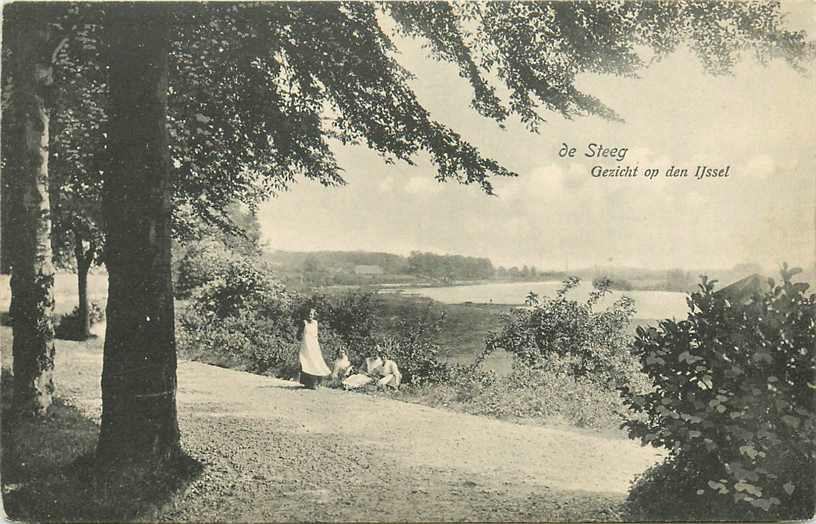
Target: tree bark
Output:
[(83, 261), (6, 215), (32, 277), (139, 372)]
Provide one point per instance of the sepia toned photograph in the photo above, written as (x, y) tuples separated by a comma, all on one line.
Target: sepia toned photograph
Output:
[(408, 261)]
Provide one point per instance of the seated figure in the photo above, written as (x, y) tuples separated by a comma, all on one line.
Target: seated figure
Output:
[(342, 367), (390, 373), (379, 368), (358, 380)]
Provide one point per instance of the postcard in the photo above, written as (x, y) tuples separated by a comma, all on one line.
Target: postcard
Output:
[(408, 261)]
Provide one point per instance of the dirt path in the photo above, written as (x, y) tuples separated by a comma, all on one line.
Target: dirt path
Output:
[(275, 452)]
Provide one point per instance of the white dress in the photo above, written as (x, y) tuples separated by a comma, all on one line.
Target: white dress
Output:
[(391, 375), (359, 380), (311, 359)]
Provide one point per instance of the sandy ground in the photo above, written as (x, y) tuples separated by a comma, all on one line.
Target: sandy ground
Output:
[(273, 451)]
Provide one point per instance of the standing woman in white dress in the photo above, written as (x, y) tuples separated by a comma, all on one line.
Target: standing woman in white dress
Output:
[(312, 365)]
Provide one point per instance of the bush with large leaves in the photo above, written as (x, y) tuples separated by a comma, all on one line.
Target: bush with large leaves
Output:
[(733, 402)]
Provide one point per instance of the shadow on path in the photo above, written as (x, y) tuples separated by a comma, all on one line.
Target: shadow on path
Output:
[(48, 470)]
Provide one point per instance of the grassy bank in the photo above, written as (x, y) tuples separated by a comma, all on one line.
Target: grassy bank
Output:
[(464, 326)]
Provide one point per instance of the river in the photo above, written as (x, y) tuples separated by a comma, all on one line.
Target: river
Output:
[(650, 304)]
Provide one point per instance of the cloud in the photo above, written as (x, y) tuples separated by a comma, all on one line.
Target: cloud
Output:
[(420, 185), (541, 183)]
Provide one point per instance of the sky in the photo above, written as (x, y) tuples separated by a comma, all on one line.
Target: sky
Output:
[(556, 215)]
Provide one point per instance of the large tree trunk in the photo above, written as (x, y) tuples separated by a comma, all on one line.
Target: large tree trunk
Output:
[(83, 261), (32, 276), (139, 373)]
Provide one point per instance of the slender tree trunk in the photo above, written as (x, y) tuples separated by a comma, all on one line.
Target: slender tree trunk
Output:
[(83, 262), (32, 276), (139, 372)]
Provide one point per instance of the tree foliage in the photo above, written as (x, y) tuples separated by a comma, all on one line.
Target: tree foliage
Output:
[(538, 49), (259, 91), (77, 145)]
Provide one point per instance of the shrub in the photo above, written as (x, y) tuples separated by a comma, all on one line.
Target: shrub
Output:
[(246, 341), (411, 344), (733, 400), (470, 381), (596, 342), (241, 286), (241, 319), (670, 491), (551, 392), (67, 326)]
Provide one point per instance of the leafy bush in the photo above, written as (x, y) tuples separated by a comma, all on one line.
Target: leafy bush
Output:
[(595, 342), (245, 341), (241, 286), (67, 326), (242, 319), (411, 344), (554, 391), (733, 401), (670, 491)]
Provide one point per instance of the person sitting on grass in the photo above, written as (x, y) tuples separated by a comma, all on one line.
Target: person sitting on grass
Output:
[(378, 368), (390, 373), (364, 377), (342, 367)]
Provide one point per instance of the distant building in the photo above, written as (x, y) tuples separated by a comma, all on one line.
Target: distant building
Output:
[(368, 270), (742, 291)]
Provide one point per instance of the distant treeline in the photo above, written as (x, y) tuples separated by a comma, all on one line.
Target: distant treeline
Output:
[(336, 261), (449, 267), (528, 273), (377, 266)]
